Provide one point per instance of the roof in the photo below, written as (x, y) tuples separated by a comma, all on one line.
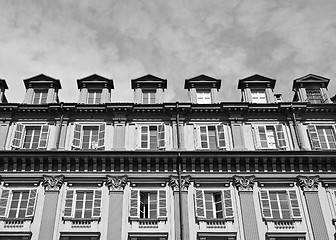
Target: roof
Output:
[(256, 80), (309, 79), (42, 80), (202, 81), (149, 81), (96, 81), (3, 84)]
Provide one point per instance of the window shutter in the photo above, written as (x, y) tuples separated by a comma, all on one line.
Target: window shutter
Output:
[(262, 138), (162, 203), (199, 203), (203, 137), (31, 203), (294, 204), (76, 142), (227, 202), (280, 136), (44, 136), (315, 142), (4, 202), (256, 138), (144, 137), (101, 136), (161, 136), (68, 203), (220, 136), (265, 204), (197, 137), (18, 134), (134, 203), (97, 203), (153, 205)]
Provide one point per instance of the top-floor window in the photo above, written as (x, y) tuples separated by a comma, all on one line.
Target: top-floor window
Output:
[(211, 137), (258, 96), (89, 137), (152, 137), (148, 96), (94, 96), (203, 96), (315, 96), (322, 137), (270, 137), (40, 96)]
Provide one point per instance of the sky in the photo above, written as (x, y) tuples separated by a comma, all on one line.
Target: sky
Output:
[(173, 40)]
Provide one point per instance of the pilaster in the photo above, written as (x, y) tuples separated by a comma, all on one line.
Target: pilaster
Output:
[(52, 186), (138, 95), (184, 185), (29, 96), (244, 185), (4, 127), (51, 95), (270, 95), (105, 97), (119, 132), (237, 133), (193, 95), (309, 186), (116, 185)]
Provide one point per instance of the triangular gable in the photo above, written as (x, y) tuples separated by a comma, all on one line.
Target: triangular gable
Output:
[(95, 80), (42, 80), (202, 81), (256, 79), (149, 81), (310, 78)]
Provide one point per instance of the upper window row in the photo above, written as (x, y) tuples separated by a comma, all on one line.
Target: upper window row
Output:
[(86, 136)]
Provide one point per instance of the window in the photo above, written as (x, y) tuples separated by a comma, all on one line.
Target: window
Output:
[(203, 96), (83, 204), (270, 137), (315, 96), (148, 96), (279, 205), (18, 203), (322, 137), (213, 204), (211, 137), (40, 96), (152, 137), (258, 96), (148, 204), (94, 96), (89, 137), (30, 137)]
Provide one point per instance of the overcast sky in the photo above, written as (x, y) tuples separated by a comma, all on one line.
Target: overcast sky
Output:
[(175, 40)]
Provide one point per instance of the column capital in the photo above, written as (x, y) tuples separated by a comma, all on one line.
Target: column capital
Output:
[(308, 183), (116, 183), (174, 183), (244, 183), (52, 183)]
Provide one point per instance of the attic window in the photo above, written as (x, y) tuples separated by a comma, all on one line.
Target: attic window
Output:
[(40, 96), (148, 96), (94, 96), (258, 96), (203, 96), (314, 96)]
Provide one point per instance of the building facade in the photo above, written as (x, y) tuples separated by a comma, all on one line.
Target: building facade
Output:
[(257, 169)]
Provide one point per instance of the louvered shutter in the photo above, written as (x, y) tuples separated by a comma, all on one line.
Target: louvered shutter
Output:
[(101, 137), (161, 136), (4, 202), (294, 203), (197, 137), (31, 203), (144, 137), (97, 203), (134, 203), (76, 142), (68, 203), (315, 142), (18, 134), (262, 137), (203, 137), (162, 203), (280, 136), (227, 202), (220, 136), (153, 205), (199, 203), (265, 204), (255, 136), (44, 136)]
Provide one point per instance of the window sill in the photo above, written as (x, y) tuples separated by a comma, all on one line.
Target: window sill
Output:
[(283, 220), (148, 219), (81, 219), (212, 220), (17, 219)]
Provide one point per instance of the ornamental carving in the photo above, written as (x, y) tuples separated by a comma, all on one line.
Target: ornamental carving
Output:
[(53, 183), (244, 183), (174, 183), (116, 183), (309, 183)]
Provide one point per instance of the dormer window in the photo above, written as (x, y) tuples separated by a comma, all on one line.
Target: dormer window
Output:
[(148, 96), (203, 96), (258, 96), (94, 96), (314, 96), (40, 96)]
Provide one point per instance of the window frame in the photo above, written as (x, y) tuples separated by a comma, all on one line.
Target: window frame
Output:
[(203, 96), (161, 203), (161, 136), (6, 198), (42, 96), (315, 139), (19, 134), (258, 95), (293, 202), (150, 95), (280, 136), (78, 134), (95, 92), (220, 135), (70, 202), (313, 97)]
